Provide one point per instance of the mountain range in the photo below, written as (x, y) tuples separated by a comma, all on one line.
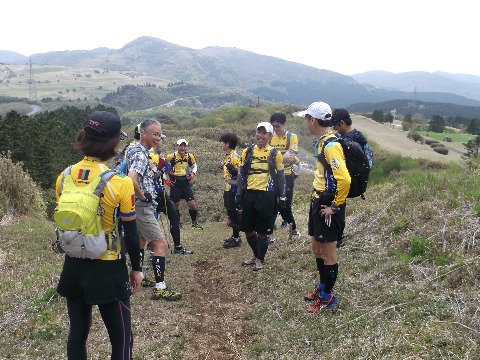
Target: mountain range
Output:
[(273, 79)]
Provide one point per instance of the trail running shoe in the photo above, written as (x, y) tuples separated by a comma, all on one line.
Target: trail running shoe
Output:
[(249, 262), (324, 305), (312, 296), (182, 251), (196, 225), (295, 233), (147, 283), (271, 240), (284, 224), (168, 295), (258, 265), (232, 242)]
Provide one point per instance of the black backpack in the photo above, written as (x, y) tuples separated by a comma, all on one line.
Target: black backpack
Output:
[(357, 165)]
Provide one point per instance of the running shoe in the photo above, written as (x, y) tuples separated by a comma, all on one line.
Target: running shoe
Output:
[(147, 283), (182, 251), (232, 242), (331, 304), (164, 294), (312, 296), (249, 262), (196, 225), (258, 265), (271, 240), (284, 224), (295, 233)]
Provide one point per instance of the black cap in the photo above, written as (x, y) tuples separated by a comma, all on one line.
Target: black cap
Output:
[(102, 126)]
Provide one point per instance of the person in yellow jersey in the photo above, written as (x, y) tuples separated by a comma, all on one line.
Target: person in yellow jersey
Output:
[(326, 218), (181, 176), (287, 143), (105, 281), (142, 175), (165, 205), (230, 165), (260, 173)]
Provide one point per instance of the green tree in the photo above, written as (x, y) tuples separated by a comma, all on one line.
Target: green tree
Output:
[(389, 118), (473, 147), (437, 124), (408, 118), (474, 127), (378, 116)]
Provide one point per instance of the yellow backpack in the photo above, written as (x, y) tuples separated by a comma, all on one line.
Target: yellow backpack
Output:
[(78, 216)]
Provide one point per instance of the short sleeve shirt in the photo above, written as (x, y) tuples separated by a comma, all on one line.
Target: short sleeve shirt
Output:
[(232, 158), (281, 144), (259, 178)]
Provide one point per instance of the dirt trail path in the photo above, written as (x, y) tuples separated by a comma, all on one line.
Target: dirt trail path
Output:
[(396, 141)]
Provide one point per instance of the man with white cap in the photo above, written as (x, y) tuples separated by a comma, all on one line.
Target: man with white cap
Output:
[(261, 170), (182, 174), (327, 208)]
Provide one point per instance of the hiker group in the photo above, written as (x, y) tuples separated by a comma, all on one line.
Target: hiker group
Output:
[(124, 207)]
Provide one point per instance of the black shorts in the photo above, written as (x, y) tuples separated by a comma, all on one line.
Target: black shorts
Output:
[(317, 226), (257, 214), (229, 200), (181, 189), (96, 281)]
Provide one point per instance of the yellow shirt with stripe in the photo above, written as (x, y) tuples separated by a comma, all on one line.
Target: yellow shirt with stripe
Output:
[(233, 158), (281, 144), (117, 200), (337, 179), (181, 163), (259, 177)]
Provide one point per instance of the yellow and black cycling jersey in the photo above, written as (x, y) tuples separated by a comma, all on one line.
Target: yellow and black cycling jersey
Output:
[(180, 164), (234, 159), (258, 177), (283, 144), (334, 179), (117, 197)]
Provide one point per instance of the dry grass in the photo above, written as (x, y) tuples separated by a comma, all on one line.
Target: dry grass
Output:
[(395, 302)]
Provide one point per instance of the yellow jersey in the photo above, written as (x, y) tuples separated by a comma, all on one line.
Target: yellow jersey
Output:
[(335, 179), (259, 178), (283, 144)]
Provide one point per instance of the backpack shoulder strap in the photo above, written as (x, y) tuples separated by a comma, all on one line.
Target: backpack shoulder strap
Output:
[(272, 160), (289, 134), (66, 173), (189, 159), (104, 178)]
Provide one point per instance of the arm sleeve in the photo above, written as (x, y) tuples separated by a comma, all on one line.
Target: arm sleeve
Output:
[(282, 187), (131, 241), (194, 168)]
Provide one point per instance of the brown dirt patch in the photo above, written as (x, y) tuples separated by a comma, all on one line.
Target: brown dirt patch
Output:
[(395, 140)]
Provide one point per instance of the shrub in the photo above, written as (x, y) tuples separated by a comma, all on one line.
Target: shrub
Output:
[(430, 141), (18, 192), (441, 150), (434, 145)]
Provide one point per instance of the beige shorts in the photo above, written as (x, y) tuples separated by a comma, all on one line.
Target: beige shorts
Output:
[(147, 225)]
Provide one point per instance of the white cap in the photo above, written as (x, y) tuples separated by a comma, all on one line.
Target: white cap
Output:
[(268, 127), (181, 141), (319, 110)]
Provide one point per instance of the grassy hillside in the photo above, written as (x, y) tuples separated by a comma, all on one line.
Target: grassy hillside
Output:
[(408, 281)]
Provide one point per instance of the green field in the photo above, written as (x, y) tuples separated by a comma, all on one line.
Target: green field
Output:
[(461, 138)]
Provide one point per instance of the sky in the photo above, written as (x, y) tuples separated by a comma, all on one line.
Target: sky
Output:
[(347, 37)]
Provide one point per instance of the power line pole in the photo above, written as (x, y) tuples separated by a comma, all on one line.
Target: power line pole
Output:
[(32, 89)]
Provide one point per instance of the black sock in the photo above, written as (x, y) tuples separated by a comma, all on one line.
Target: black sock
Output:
[(193, 215), (330, 273), (262, 248), (252, 241), (320, 266), (159, 268)]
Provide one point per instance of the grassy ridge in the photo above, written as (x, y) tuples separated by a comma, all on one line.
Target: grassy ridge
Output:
[(408, 281)]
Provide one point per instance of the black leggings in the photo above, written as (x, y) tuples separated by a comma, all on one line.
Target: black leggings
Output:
[(117, 319)]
